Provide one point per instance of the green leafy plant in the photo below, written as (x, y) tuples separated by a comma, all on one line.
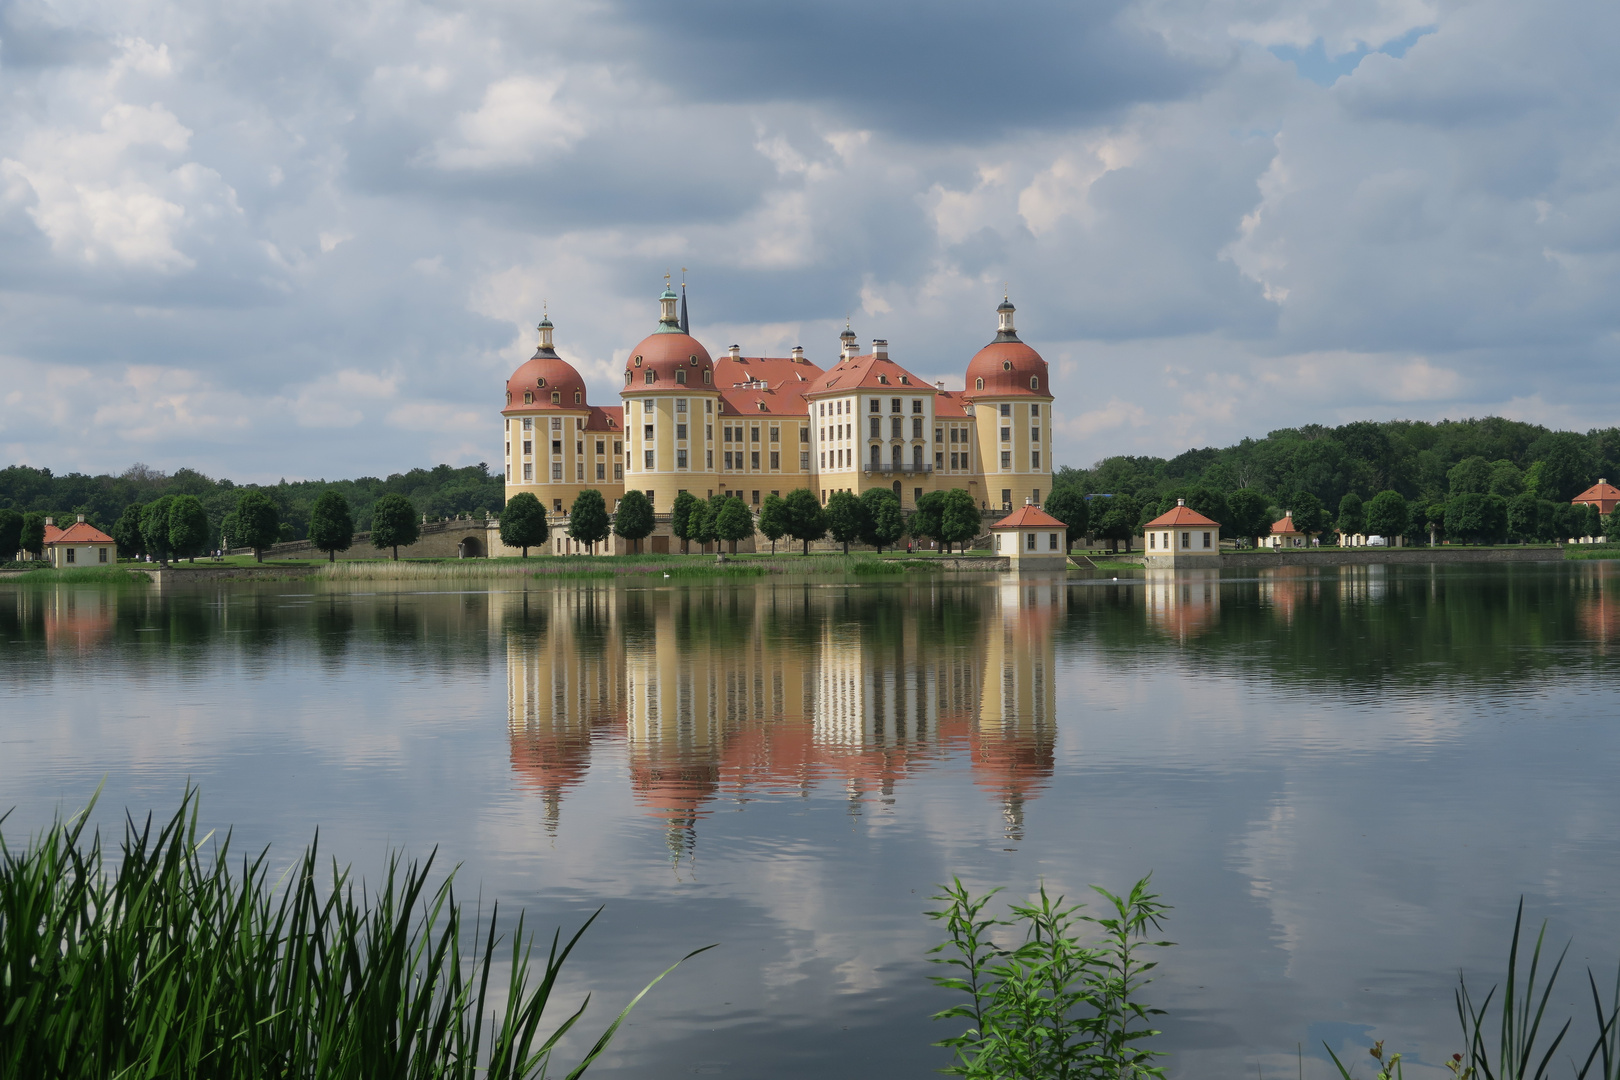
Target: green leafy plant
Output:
[(168, 964), (1520, 1013), (1053, 1007)]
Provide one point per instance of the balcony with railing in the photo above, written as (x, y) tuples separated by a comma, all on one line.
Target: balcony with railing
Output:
[(895, 467)]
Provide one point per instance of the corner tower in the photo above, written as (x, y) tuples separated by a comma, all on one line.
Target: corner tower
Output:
[(557, 444), (670, 405), (1009, 393)]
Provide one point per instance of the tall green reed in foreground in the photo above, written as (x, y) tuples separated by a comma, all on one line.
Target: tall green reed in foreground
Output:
[(167, 964), (1052, 1008), (1525, 1041)]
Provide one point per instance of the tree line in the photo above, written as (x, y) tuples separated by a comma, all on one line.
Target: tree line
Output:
[(1473, 481)]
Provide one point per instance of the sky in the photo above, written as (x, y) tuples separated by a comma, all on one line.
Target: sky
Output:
[(304, 239)]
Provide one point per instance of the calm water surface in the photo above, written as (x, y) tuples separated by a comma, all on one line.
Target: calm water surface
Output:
[(1342, 780)]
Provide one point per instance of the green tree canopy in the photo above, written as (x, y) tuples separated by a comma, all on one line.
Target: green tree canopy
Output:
[(331, 525), (33, 534), (155, 528), (523, 523), (1310, 516), (1565, 466), (11, 526), (733, 522), (959, 518), (1352, 516), (1388, 515), (680, 517), (588, 519), (701, 522), (805, 520), (1470, 476), (634, 519), (1507, 479), (927, 520), (1069, 506), (1466, 518), (1250, 515), (126, 531), (258, 522), (394, 523), (884, 523), (773, 519), (846, 518), (188, 527), (1119, 520)]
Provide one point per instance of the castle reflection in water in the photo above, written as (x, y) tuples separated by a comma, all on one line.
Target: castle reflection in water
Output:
[(719, 693)]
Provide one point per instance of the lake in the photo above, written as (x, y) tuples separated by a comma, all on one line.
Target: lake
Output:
[(1343, 780)]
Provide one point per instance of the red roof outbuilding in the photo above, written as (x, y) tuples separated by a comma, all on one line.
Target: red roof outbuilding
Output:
[(1181, 515), (1603, 495), (1029, 517)]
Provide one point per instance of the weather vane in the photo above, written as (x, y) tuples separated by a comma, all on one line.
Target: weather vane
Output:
[(683, 275), (666, 279)]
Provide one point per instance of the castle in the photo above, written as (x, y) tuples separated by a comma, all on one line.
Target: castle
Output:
[(749, 426)]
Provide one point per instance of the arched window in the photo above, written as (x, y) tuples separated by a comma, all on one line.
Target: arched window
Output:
[(706, 374), (1034, 382), (978, 384), (627, 378), (509, 397), (579, 398), (556, 397), (528, 397)]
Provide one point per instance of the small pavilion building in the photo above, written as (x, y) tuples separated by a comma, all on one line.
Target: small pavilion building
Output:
[(1285, 534), (80, 544), (1603, 495), (1181, 538), (1031, 539)]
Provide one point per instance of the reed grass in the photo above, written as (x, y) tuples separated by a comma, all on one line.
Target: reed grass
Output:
[(160, 962), (86, 575)]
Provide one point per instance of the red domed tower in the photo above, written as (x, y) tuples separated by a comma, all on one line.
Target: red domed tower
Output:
[(1009, 392), (557, 444), (670, 407)]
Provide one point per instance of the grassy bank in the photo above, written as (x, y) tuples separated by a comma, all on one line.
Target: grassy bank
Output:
[(1592, 551), (619, 566), (162, 961), (84, 575)]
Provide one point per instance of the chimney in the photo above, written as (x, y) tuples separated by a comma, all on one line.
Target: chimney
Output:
[(736, 352), (81, 519), (880, 349), (50, 521), (798, 354), (1181, 502), (939, 384), (1028, 501)]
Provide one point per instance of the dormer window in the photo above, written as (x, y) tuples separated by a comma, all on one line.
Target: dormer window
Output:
[(692, 360), (556, 397), (906, 380), (509, 397), (1006, 365), (627, 378), (978, 384), (680, 376), (638, 361), (579, 397), (884, 379), (706, 374), (651, 375), (528, 397), (540, 382), (1034, 382)]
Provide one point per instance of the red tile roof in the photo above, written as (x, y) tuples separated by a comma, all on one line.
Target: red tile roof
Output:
[(869, 373), (1602, 494), (1286, 525), (605, 418), (79, 532), (1181, 515), (1029, 517), (779, 383)]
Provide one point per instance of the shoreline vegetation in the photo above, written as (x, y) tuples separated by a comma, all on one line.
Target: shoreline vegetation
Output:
[(160, 960)]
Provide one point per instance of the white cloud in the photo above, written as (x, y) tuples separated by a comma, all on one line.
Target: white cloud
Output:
[(519, 119)]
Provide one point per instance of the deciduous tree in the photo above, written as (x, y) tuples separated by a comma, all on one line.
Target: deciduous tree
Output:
[(394, 522), (331, 524), (733, 522), (1388, 515), (1310, 516), (846, 518), (258, 521), (927, 520), (1352, 515), (680, 517), (1120, 519), (155, 528), (959, 519), (1249, 515), (126, 531), (188, 527), (1068, 505), (588, 519), (634, 519), (773, 519), (11, 526), (885, 524), (805, 520)]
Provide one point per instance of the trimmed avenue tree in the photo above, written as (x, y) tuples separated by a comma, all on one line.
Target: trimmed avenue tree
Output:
[(1389, 516), (680, 518), (1310, 516), (927, 519), (258, 522), (155, 528), (805, 519), (1248, 516), (588, 519), (1352, 516), (394, 523), (11, 526), (701, 522), (733, 522), (773, 519), (959, 518), (634, 521), (126, 532), (523, 523), (885, 524), (32, 539), (1068, 505), (846, 518), (188, 527), (331, 524), (1119, 521)]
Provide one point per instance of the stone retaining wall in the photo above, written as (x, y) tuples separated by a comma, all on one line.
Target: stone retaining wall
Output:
[(1254, 560)]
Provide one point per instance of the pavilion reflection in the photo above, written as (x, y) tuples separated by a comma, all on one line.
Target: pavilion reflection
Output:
[(1183, 604), (740, 692)]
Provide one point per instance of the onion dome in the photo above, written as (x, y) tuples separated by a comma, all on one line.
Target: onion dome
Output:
[(545, 380), (1007, 367), (668, 357)]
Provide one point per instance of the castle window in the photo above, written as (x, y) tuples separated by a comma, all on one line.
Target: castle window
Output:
[(556, 397), (680, 377), (627, 378), (509, 397), (1006, 365), (978, 384), (1034, 382), (540, 382), (651, 376), (528, 397), (706, 374), (638, 361), (916, 405), (692, 360), (579, 397)]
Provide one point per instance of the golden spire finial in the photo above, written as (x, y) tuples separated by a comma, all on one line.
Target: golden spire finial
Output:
[(666, 279), (1006, 293), (683, 275)]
